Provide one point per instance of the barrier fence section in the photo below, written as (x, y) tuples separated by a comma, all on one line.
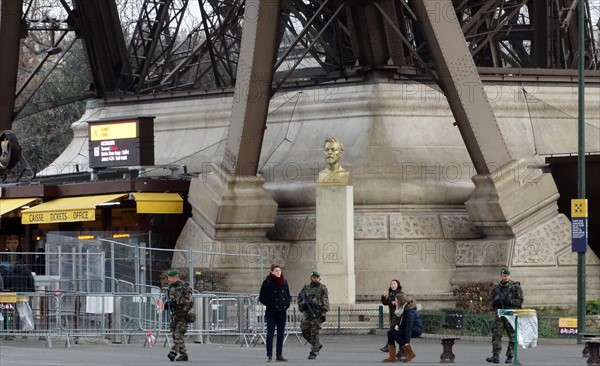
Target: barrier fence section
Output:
[(71, 316), (87, 265), (104, 265)]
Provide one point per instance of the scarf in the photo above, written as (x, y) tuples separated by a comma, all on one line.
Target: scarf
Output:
[(277, 280), (400, 310)]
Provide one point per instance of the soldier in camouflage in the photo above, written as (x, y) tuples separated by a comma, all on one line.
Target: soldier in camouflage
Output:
[(180, 303), (505, 295), (318, 296)]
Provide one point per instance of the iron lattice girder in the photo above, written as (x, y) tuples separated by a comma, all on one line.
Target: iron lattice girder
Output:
[(10, 33), (97, 23), (335, 36), (195, 60), (154, 37)]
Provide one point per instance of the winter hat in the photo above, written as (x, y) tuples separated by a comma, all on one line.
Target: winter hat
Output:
[(398, 283), (173, 273)]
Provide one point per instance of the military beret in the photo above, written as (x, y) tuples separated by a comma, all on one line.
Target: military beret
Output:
[(315, 273), (173, 273), (505, 270)]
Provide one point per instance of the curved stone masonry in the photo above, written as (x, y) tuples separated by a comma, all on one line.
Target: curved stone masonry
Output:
[(411, 176)]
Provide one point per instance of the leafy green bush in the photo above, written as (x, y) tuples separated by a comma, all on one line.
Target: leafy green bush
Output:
[(432, 321), (443, 322), (478, 324), (473, 297), (592, 307)]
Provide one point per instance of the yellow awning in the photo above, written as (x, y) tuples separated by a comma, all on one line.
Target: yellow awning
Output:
[(158, 203), (10, 204), (70, 209)]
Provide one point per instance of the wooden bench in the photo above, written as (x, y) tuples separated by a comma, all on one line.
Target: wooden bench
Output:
[(447, 355), (593, 345), (586, 349)]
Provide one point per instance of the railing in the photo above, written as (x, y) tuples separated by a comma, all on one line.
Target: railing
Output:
[(119, 317)]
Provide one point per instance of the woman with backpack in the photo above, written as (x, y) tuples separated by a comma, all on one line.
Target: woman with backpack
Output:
[(408, 325)]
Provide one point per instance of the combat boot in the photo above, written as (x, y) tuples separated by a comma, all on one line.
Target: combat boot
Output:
[(494, 359), (171, 356), (312, 355), (508, 359), (391, 353), (182, 358), (409, 353)]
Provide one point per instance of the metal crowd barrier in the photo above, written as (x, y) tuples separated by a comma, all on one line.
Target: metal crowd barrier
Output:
[(119, 317)]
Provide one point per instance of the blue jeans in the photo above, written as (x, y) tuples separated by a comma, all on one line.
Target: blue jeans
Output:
[(275, 319)]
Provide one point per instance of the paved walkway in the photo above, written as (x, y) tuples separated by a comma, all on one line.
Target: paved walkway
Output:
[(338, 350)]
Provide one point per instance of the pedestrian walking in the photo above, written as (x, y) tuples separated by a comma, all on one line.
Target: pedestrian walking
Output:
[(180, 303), (313, 302), (275, 295)]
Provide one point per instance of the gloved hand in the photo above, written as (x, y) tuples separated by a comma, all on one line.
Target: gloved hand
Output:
[(169, 306), (322, 319), (396, 328)]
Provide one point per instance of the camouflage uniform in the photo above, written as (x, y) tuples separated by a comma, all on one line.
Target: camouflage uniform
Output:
[(319, 296), (180, 297), (507, 295)]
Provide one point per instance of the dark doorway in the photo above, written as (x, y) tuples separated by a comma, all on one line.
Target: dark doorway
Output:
[(564, 172)]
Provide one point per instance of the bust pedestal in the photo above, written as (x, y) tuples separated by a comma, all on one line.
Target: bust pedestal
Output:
[(335, 239)]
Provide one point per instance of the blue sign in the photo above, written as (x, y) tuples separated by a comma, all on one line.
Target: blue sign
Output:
[(579, 234)]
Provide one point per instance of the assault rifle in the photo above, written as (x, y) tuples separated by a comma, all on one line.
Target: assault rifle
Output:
[(304, 304)]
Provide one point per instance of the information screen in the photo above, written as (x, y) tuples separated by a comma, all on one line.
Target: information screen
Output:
[(126, 142)]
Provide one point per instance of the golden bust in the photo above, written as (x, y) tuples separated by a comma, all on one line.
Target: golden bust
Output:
[(334, 174)]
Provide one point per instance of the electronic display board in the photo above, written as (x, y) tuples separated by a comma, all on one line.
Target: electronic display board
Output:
[(121, 142)]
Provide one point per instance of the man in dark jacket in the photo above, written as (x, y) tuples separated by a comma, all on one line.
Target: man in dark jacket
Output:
[(408, 325), (19, 278), (275, 295), (505, 295)]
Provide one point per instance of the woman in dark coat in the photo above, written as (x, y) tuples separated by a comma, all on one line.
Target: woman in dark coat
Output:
[(275, 295), (388, 298)]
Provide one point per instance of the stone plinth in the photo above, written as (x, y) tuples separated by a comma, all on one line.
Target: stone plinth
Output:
[(335, 241)]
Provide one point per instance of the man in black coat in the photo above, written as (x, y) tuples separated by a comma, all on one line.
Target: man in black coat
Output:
[(275, 295), (19, 278)]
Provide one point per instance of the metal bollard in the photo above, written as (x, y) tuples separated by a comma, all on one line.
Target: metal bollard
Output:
[(198, 324), (117, 326)]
